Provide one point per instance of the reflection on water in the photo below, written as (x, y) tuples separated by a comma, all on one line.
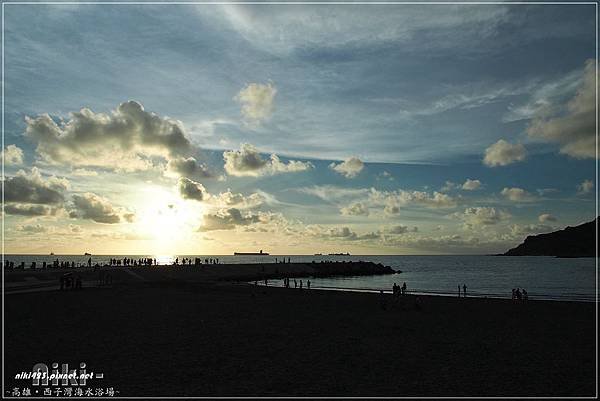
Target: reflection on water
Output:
[(164, 259)]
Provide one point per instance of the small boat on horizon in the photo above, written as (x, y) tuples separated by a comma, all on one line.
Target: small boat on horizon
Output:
[(261, 253), (87, 254), (340, 254)]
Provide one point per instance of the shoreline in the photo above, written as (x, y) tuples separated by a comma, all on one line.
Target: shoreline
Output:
[(28, 279), (550, 298)]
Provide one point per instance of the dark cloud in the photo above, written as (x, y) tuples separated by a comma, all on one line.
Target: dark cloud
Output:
[(188, 167), (93, 207), (248, 162), (32, 188), (30, 194), (575, 130), (125, 139), (189, 189), (227, 219), (28, 210)]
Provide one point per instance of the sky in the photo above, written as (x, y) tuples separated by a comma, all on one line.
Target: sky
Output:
[(296, 129)]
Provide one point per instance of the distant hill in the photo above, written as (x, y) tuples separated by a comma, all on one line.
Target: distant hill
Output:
[(572, 242)]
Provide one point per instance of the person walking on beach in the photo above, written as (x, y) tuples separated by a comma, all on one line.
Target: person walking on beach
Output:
[(518, 294), (404, 288), (308, 285), (300, 284), (525, 296), (464, 290), (295, 284)]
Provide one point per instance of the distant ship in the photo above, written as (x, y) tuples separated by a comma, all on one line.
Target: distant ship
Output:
[(339, 254), (261, 253), (51, 253), (87, 254)]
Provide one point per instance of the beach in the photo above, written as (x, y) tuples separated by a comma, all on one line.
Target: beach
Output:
[(167, 335)]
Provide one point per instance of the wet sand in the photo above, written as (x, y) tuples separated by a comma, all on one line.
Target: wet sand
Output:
[(213, 338)]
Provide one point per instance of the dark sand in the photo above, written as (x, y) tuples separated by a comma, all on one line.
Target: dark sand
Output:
[(171, 338)]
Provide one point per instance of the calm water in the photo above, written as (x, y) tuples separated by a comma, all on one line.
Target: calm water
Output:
[(543, 277)]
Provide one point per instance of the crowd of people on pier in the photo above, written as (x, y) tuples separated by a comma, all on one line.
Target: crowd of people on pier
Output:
[(112, 262)]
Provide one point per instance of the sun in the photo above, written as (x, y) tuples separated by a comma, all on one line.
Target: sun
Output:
[(166, 219)]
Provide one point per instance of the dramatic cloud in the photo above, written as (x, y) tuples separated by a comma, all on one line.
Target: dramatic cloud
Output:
[(503, 153), (189, 189), (227, 219), (575, 130), (257, 102), (544, 218), (126, 139), (32, 188), (248, 162), (13, 155), (471, 185), (481, 216), (94, 207), (187, 167), (349, 168), (355, 209), (585, 187), (517, 195)]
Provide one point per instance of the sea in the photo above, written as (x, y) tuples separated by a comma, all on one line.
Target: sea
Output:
[(550, 278)]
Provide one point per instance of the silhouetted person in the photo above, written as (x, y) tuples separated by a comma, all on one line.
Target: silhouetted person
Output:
[(300, 284), (514, 294), (464, 290), (403, 288), (525, 296), (308, 285), (90, 262), (518, 294), (295, 284)]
